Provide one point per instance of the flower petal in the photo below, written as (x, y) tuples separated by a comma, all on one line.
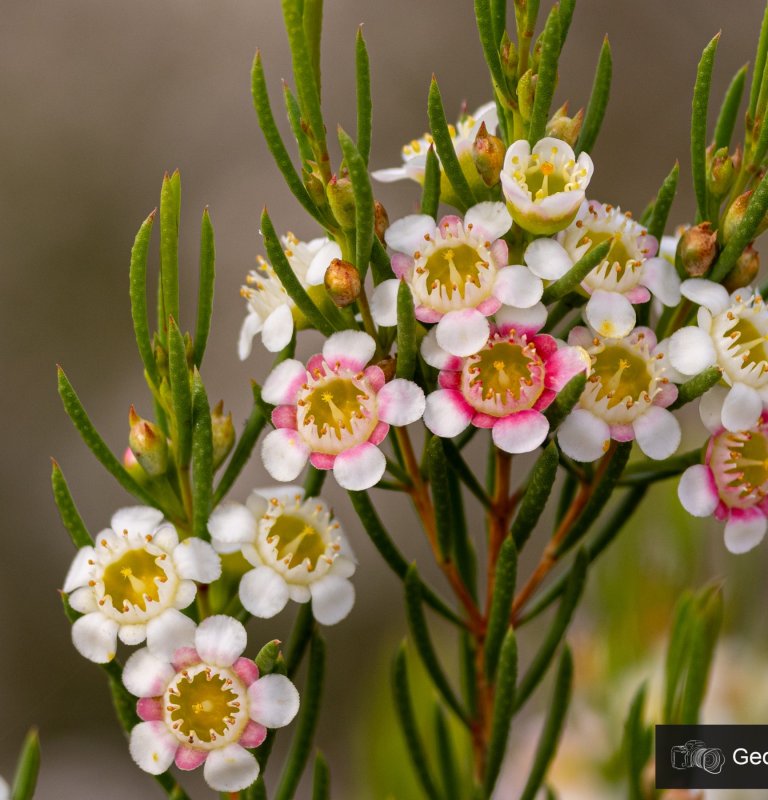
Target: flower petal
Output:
[(435, 356), (189, 758), (140, 520), (168, 632), (521, 432), (463, 333), (528, 321), (251, 326), (230, 769), (583, 436), (197, 561), (564, 364), (283, 383), (132, 634), (360, 467), (232, 525), (95, 637), (146, 674), (253, 735), (273, 701), (490, 220), (706, 293), (691, 350), (711, 408), (744, 530), (79, 572), (547, 258), (610, 314), (662, 279), (332, 599), (401, 402), (407, 234), (278, 329), (263, 592), (390, 175), (518, 286), (220, 640), (742, 408), (350, 349), (447, 413), (284, 454), (152, 747), (384, 303), (320, 263), (657, 432), (697, 491)]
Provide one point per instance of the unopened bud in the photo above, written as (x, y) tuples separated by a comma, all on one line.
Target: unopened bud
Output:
[(222, 434), (388, 366), (488, 153), (341, 199), (745, 270), (342, 282), (508, 54), (720, 173), (735, 215), (148, 444), (133, 468), (526, 88), (315, 188), (380, 220), (563, 127), (696, 251)]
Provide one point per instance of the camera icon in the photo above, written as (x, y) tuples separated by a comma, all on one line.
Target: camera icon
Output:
[(696, 754)]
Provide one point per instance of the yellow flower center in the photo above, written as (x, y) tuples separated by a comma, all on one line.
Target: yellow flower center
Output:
[(333, 405), (618, 252), (454, 267), (502, 370), (622, 374), (543, 180), (296, 540), (203, 706), (747, 465), (749, 342), (132, 580)]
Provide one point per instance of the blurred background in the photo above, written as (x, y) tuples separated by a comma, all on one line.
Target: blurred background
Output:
[(99, 98)]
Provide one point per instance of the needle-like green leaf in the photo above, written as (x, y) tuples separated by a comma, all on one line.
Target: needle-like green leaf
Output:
[(321, 779), (169, 244), (202, 459), (759, 70), (364, 103), (729, 110), (407, 347), (364, 210), (537, 493), (547, 77), (27, 768), (138, 293), (660, 214), (205, 290), (503, 710), (576, 274), (498, 617), (430, 197), (181, 393), (68, 512), (699, 107), (598, 100)]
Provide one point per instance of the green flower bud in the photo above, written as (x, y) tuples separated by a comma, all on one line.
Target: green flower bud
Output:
[(526, 88), (735, 215), (342, 282), (315, 188), (223, 434), (509, 58), (563, 127), (133, 468), (380, 220), (148, 445), (745, 271), (341, 199), (721, 171), (696, 251), (488, 154)]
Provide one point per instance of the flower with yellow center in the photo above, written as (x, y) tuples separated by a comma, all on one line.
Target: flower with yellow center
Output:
[(132, 583), (298, 551), (204, 704), (626, 398)]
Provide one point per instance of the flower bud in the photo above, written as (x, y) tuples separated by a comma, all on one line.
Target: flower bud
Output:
[(509, 57), (696, 251), (315, 188), (133, 468), (735, 215), (745, 270), (488, 152), (148, 444), (720, 173), (380, 220), (563, 127), (223, 434), (342, 282), (388, 366), (341, 199), (526, 87)]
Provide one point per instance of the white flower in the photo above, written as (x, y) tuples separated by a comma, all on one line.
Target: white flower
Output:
[(732, 332), (626, 398), (133, 582), (205, 704), (271, 311), (298, 550), (545, 186), (5, 791)]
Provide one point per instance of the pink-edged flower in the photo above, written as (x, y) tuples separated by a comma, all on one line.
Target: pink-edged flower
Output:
[(334, 412), (132, 583), (504, 386), (732, 333), (628, 275), (205, 704), (732, 483), (298, 550), (544, 186), (458, 274), (626, 398)]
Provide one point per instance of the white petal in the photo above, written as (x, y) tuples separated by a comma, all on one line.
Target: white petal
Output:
[(610, 314), (583, 436), (520, 433), (491, 220), (166, 537), (359, 468), (232, 525), (263, 592), (389, 175), (463, 333), (332, 599), (141, 520), (434, 355), (742, 408), (706, 293), (697, 491), (670, 373), (744, 530), (711, 408), (132, 634), (531, 320), (320, 263), (83, 600), (251, 326), (273, 701), (152, 747), (220, 640), (548, 259), (259, 499), (5, 791), (186, 592), (657, 432), (406, 235), (350, 348), (662, 279), (279, 387), (79, 572), (384, 303), (446, 413), (517, 286), (230, 769), (691, 350), (147, 675), (197, 560), (278, 329), (168, 632), (550, 144), (95, 637), (401, 402), (284, 454)]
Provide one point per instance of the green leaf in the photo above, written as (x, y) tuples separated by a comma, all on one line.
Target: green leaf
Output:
[(438, 471), (444, 145), (499, 19), (267, 657), (649, 471), (301, 635), (202, 459), (487, 28), (313, 27), (598, 100), (294, 119), (407, 718), (464, 555), (658, 221), (701, 91), (430, 196), (205, 291), (417, 624), (503, 710), (257, 419), (468, 672), (181, 393), (576, 274), (381, 267), (566, 400), (695, 387), (729, 110), (304, 730), (169, 245), (674, 669), (758, 75), (314, 481), (465, 472), (394, 559), (553, 726), (446, 756), (68, 512), (321, 779), (566, 9), (364, 209), (138, 293), (96, 444), (536, 494), (27, 768), (275, 142), (501, 602), (407, 347), (364, 103), (547, 77), (637, 745)]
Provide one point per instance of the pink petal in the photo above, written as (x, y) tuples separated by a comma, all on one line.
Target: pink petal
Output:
[(545, 345), (564, 365), (253, 735), (349, 349), (448, 379), (322, 460), (581, 337), (315, 363), (641, 333), (638, 294), (698, 492), (450, 224), (188, 758), (447, 413), (666, 395), (375, 376), (545, 400), (489, 306), (401, 265), (500, 253), (480, 420), (149, 709), (246, 670), (744, 530), (622, 433), (360, 467), (185, 657), (521, 432), (379, 433), (425, 314), (400, 402), (284, 417)]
